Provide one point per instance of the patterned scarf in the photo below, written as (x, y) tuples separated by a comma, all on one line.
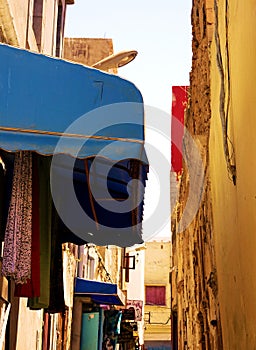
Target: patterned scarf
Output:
[(17, 242)]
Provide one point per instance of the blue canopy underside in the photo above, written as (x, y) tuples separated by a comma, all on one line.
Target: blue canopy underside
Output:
[(99, 292), (110, 181)]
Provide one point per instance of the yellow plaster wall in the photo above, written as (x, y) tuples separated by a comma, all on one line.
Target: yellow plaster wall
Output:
[(234, 207)]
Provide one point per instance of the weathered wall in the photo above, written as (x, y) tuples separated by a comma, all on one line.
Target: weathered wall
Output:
[(50, 13), (14, 21), (215, 256), (87, 50), (234, 206), (194, 277), (135, 286), (20, 22), (29, 331)]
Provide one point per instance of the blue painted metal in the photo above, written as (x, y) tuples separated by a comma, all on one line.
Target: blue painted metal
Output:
[(89, 331), (100, 292), (101, 324), (41, 97)]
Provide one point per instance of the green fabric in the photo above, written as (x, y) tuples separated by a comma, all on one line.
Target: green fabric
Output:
[(57, 303), (45, 209)]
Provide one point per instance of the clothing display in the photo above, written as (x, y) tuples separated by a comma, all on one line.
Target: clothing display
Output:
[(45, 205), (111, 328), (2, 188), (28, 195), (33, 231), (6, 176), (32, 287), (56, 298), (18, 233)]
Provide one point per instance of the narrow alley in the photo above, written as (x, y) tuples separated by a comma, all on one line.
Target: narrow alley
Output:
[(85, 264)]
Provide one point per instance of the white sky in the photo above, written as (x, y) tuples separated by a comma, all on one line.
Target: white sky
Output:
[(159, 30), (161, 33)]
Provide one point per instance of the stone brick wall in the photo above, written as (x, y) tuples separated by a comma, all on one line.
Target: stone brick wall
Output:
[(194, 278), (87, 50)]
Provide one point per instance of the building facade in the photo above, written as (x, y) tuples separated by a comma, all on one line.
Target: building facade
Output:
[(157, 310), (88, 51), (134, 278), (213, 286), (68, 288), (38, 26), (195, 304)]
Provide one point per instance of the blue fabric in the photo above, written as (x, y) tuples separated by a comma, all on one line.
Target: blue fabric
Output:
[(110, 226)]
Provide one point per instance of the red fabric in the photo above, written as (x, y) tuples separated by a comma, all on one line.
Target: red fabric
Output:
[(179, 103), (155, 295), (32, 287)]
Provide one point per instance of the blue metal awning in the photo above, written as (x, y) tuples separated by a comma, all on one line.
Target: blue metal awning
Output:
[(99, 292), (70, 111), (44, 99)]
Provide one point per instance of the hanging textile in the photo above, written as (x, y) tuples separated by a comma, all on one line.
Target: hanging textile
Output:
[(17, 241), (45, 205), (179, 105), (32, 287), (111, 328), (6, 177), (56, 301), (2, 195)]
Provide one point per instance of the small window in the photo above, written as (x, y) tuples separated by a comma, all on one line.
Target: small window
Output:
[(59, 31), (91, 264), (155, 295), (38, 21)]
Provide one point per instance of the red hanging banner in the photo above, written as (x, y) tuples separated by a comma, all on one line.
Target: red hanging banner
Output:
[(179, 103)]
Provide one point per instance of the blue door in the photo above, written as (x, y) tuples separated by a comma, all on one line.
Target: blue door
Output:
[(89, 331)]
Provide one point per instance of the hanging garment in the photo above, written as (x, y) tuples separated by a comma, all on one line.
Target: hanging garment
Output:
[(111, 328), (45, 206), (52, 234), (6, 177), (56, 302), (17, 241), (32, 287), (2, 195)]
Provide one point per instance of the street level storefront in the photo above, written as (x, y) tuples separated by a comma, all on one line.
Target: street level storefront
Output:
[(73, 167), (96, 321), (100, 319)]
